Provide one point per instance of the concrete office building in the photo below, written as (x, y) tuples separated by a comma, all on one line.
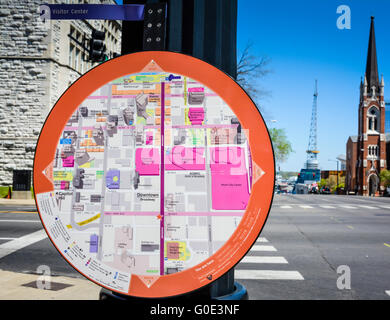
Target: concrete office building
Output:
[(38, 61)]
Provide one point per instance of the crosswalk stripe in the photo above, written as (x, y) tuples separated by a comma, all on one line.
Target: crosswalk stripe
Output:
[(368, 207), (335, 206), (263, 248), (19, 243), (255, 259), (7, 238), (267, 275), (261, 239), (388, 292)]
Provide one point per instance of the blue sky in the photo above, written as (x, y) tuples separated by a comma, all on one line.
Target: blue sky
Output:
[(302, 41)]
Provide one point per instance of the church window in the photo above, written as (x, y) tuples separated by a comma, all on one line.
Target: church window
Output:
[(373, 120)]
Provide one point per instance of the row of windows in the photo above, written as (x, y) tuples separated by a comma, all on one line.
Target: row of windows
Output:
[(373, 151), (77, 53)]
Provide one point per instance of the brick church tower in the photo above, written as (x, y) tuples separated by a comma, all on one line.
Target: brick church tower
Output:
[(371, 141)]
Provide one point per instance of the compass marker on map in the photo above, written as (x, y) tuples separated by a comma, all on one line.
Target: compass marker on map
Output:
[(152, 66), (48, 172), (257, 172), (148, 280)]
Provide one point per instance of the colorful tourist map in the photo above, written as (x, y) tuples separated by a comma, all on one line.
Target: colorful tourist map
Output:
[(152, 175)]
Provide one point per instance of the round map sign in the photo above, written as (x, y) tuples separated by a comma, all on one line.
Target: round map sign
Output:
[(154, 174)]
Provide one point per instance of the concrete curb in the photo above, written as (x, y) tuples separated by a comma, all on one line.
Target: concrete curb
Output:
[(11, 288), (17, 202)]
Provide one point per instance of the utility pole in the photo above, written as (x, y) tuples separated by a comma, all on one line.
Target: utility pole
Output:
[(205, 29)]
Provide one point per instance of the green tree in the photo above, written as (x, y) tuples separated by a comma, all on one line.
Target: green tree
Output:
[(323, 183), (385, 177), (251, 69), (282, 147)]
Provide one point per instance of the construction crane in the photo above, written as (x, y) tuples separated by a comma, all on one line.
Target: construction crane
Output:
[(312, 151), (310, 175)]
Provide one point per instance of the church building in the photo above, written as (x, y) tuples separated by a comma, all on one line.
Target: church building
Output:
[(366, 153)]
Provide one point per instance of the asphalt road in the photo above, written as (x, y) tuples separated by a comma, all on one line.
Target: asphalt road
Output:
[(306, 239)]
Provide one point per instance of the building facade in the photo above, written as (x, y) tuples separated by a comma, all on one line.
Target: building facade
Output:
[(366, 152), (387, 116), (38, 62)]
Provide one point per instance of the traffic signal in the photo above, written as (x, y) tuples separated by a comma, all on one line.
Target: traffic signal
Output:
[(97, 49)]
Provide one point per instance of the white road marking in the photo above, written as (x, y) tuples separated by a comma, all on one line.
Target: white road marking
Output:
[(348, 207), (388, 292), (306, 207), (24, 221), (267, 275), (7, 238), (255, 259), (285, 207), (261, 239), (368, 207), (19, 243), (327, 207), (263, 248), (385, 207)]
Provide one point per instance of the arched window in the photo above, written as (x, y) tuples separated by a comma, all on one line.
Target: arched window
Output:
[(373, 117)]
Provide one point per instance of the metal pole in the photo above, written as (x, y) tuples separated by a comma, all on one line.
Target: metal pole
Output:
[(337, 189)]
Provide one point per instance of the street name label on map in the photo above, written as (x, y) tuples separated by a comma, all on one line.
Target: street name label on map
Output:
[(154, 174)]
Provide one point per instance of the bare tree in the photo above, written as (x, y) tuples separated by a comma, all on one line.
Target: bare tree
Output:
[(251, 69)]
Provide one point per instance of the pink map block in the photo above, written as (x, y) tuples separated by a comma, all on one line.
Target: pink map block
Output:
[(185, 158), (147, 161), (149, 138), (229, 178), (196, 89), (196, 115), (68, 162), (64, 185)]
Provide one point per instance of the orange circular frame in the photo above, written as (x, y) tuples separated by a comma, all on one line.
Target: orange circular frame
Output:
[(263, 165)]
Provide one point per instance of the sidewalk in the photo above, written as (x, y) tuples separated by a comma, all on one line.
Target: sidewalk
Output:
[(11, 288), (17, 202)]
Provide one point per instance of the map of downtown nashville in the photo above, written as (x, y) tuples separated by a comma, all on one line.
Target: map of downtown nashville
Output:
[(151, 176)]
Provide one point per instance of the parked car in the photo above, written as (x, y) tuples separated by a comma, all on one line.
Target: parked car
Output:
[(314, 190), (325, 190)]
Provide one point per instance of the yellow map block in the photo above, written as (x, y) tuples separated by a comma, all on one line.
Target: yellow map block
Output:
[(62, 176), (176, 250)]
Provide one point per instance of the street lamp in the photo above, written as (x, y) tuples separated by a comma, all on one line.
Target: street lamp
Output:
[(337, 161)]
